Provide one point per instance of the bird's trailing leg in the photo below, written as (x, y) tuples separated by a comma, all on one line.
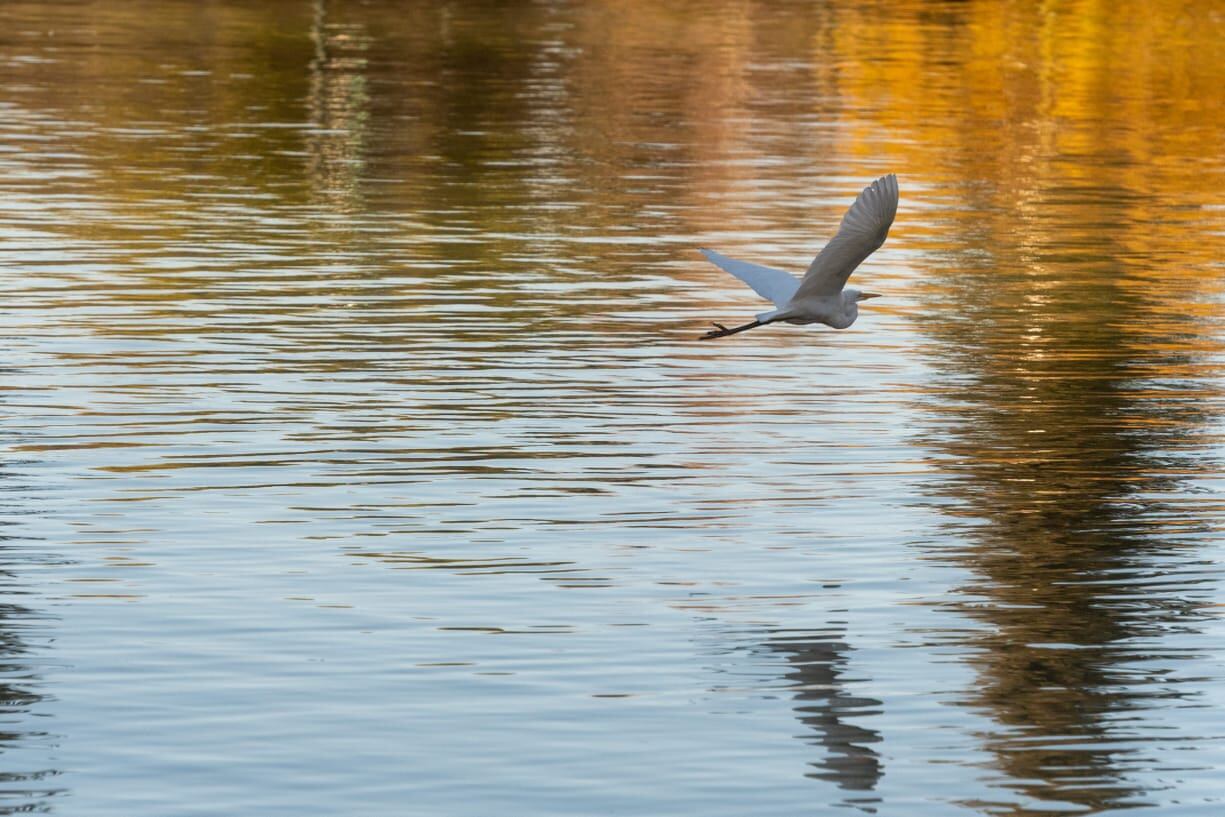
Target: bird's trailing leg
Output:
[(722, 331)]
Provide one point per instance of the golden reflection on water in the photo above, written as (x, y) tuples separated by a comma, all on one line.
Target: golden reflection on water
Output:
[(1078, 292), (463, 200), (999, 116)]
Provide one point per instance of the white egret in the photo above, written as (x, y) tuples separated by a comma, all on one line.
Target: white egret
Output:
[(820, 297)]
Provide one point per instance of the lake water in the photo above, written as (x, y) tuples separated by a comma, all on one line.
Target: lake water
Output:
[(361, 458)]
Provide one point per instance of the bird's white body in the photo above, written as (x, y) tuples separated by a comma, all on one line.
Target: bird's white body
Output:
[(838, 311), (821, 297)]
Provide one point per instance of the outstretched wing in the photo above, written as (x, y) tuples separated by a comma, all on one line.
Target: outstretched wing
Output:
[(863, 230), (772, 284)]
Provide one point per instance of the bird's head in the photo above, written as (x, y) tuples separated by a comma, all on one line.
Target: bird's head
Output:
[(857, 296)]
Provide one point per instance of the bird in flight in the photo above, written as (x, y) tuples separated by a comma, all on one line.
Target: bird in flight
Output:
[(820, 297)]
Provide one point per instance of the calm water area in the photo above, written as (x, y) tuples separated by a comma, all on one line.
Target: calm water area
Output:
[(360, 459)]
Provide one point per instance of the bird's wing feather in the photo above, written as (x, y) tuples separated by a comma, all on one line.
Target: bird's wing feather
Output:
[(774, 285), (863, 230)]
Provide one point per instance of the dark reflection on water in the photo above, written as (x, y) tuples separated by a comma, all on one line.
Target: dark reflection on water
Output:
[(1071, 428), (26, 784), (818, 672)]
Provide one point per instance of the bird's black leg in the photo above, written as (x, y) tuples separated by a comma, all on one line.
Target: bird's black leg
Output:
[(722, 331)]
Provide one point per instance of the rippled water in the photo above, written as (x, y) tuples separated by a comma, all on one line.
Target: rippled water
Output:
[(361, 458)]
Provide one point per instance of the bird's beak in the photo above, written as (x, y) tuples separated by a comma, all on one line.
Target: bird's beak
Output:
[(863, 296)]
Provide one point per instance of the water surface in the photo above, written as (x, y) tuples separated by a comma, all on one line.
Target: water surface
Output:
[(361, 457)]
